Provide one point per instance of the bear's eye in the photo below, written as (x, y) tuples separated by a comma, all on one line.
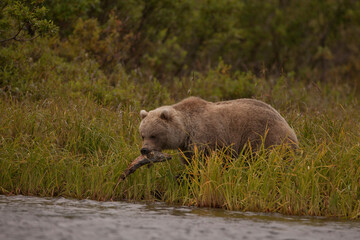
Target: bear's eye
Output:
[(152, 136), (142, 137)]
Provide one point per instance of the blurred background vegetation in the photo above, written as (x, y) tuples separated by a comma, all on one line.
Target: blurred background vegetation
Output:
[(160, 43)]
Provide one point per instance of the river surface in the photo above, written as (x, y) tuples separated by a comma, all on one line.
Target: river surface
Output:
[(24, 217)]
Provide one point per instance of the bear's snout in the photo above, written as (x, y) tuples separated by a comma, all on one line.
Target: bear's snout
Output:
[(144, 151)]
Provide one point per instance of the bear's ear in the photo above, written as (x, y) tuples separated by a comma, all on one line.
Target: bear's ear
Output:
[(165, 114), (143, 114)]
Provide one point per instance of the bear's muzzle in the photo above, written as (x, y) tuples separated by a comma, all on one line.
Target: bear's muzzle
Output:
[(145, 151)]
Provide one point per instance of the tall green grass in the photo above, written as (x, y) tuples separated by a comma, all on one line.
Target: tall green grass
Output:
[(79, 149), (67, 129)]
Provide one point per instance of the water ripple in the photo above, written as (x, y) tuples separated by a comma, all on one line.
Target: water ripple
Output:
[(59, 218)]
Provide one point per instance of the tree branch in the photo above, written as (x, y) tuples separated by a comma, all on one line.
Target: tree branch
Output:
[(13, 37), (29, 39)]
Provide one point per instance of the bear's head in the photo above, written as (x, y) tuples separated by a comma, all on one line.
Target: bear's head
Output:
[(162, 128)]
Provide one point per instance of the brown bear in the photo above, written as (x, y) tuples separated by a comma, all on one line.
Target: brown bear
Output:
[(194, 121)]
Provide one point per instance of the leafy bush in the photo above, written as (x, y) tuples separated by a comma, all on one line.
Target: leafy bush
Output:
[(24, 20), (167, 39)]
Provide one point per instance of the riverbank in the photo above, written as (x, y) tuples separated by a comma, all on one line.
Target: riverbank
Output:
[(67, 130), (73, 138)]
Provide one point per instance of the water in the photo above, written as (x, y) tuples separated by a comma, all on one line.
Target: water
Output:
[(59, 218)]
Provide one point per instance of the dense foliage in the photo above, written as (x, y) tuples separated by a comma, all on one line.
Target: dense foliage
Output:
[(167, 39), (24, 21)]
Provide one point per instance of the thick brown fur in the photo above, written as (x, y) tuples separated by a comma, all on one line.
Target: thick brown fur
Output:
[(196, 122)]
